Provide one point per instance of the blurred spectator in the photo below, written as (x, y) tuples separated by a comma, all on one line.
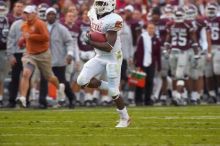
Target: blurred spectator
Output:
[(147, 58), (128, 52), (15, 53), (61, 48), (132, 22), (16, 12), (38, 2), (4, 29)]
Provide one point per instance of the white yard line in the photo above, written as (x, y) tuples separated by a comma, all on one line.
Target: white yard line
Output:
[(129, 128), (102, 135), (213, 117)]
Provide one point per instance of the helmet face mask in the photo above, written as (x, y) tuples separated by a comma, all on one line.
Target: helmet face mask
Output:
[(211, 10), (104, 6), (191, 13), (179, 15), (41, 11)]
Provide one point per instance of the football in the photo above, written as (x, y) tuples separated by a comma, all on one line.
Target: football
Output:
[(97, 37)]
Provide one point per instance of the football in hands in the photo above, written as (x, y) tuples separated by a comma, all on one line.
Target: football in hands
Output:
[(97, 37)]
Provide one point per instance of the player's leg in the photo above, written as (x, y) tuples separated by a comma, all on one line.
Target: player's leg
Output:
[(164, 74), (182, 72), (4, 69), (91, 69), (196, 77), (216, 69), (173, 66), (113, 74)]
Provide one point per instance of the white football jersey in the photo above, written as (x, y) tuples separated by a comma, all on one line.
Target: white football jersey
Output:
[(110, 22)]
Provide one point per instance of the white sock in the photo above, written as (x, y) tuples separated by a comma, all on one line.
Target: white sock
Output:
[(193, 96), (1, 97), (163, 97), (77, 96), (212, 93), (95, 94), (131, 95), (123, 113), (104, 85)]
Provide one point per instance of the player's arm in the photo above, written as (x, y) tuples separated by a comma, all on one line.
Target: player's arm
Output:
[(107, 46), (167, 44), (194, 41)]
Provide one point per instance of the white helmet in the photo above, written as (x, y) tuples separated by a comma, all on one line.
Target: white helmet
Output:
[(211, 10), (3, 9), (191, 12), (104, 6), (41, 11)]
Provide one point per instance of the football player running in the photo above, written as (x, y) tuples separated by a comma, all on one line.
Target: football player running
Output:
[(108, 57)]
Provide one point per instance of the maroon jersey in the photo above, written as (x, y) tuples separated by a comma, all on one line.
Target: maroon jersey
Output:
[(161, 29), (74, 30), (84, 28), (180, 34), (12, 18), (4, 29), (214, 25)]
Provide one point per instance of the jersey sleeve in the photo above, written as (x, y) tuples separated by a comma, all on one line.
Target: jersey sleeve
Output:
[(114, 24)]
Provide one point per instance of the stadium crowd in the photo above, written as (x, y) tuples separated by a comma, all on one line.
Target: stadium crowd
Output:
[(171, 53)]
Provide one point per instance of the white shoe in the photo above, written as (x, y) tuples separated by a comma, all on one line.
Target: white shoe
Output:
[(22, 101), (123, 123)]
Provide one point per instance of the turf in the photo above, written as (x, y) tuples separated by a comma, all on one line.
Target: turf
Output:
[(151, 126)]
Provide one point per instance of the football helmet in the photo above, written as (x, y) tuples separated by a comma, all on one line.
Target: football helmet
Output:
[(41, 11), (3, 9), (211, 10), (191, 12), (168, 9), (179, 15), (104, 6)]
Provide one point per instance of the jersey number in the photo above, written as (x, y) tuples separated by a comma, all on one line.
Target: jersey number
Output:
[(215, 33), (179, 39)]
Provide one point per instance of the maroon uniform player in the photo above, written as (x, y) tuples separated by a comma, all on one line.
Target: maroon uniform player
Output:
[(214, 24), (180, 39)]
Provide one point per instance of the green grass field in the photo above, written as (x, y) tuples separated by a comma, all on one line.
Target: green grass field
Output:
[(151, 126)]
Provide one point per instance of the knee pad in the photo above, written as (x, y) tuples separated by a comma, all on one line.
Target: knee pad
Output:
[(180, 83), (113, 92), (82, 81)]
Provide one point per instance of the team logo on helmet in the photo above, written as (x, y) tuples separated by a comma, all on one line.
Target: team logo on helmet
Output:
[(41, 11), (104, 6)]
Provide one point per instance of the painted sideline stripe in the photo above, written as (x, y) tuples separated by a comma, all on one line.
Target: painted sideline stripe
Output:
[(101, 135), (129, 128), (214, 117)]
